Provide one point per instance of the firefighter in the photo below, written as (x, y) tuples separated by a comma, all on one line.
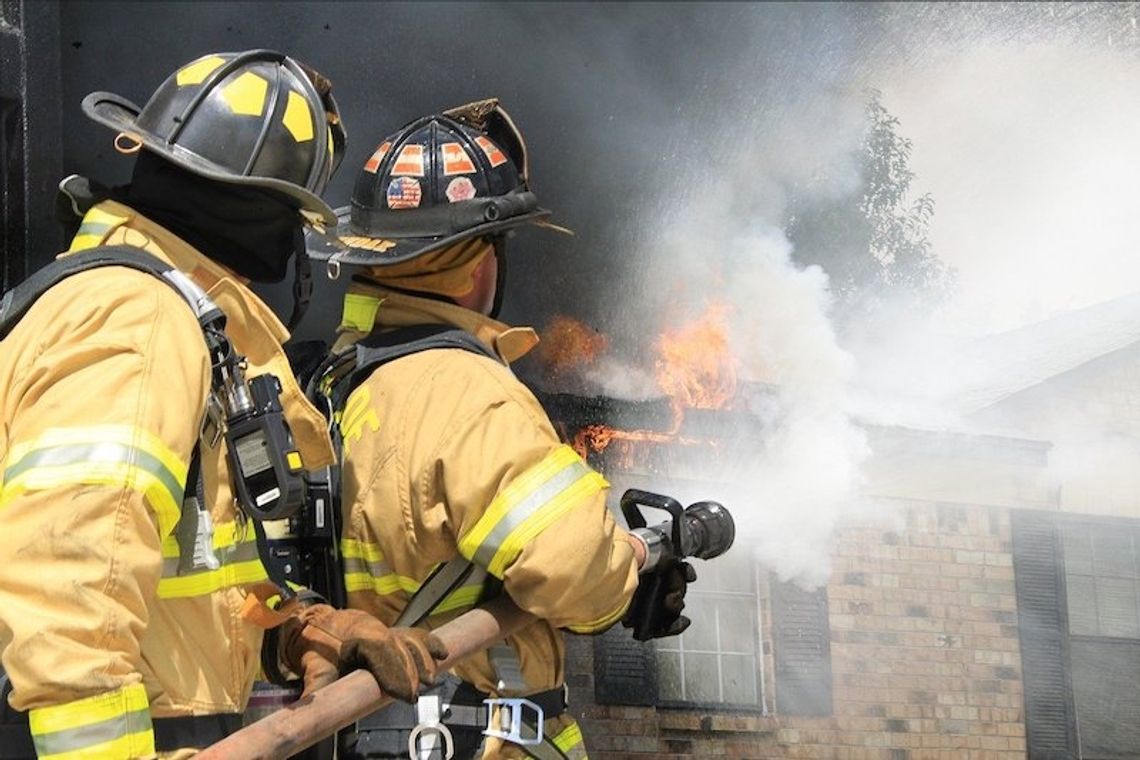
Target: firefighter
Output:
[(119, 638), (455, 485)]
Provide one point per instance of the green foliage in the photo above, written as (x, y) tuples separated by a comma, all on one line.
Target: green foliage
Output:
[(872, 240)]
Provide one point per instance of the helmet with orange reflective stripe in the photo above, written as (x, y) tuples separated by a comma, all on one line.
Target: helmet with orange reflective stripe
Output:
[(255, 118), (437, 181)]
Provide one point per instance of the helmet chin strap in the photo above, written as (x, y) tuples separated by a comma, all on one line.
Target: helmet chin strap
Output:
[(302, 282), (500, 242)]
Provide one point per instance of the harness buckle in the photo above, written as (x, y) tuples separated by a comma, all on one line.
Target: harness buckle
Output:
[(510, 720), (429, 711), (415, 752)]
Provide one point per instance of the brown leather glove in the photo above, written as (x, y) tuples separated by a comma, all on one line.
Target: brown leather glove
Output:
[(322, 643)]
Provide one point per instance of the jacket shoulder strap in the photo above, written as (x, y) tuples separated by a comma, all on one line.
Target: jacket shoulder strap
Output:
[(372, 352), (381, 348), (19, 299)]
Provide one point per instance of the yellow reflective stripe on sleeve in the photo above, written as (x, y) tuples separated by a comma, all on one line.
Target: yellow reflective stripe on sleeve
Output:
[(350, 547), (601, 623), (109, 455), (209, 581), (382, 585), (235, 546), (365, 570), (116, 724), (359, 312), (462, 598), (569, 741), (531, 503)]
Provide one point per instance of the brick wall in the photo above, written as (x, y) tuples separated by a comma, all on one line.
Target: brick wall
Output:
[(924, 656)]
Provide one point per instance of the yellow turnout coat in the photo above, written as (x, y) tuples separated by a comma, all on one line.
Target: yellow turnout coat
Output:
[(447, 454), (103, 388)]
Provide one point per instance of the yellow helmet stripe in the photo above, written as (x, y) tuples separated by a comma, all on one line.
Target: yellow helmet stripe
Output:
[(196, 72), (246, 94), (298, 119)]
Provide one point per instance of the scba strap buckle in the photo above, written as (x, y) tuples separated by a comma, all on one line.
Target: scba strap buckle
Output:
[(424, 743), (510, 720), (425, 731)]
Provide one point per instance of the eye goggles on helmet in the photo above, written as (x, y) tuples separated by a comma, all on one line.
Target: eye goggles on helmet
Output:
[(490, 117)]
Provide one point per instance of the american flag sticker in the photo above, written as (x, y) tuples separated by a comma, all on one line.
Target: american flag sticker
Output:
[(373, 163), (410, 162), (460, 189), (404, 192), (455, 159), (494, 155)]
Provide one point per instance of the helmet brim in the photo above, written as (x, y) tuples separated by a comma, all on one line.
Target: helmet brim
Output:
[(343, 242), (121, 115)]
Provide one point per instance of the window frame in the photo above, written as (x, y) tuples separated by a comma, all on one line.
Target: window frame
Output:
[(1046, 640), (760, 707)]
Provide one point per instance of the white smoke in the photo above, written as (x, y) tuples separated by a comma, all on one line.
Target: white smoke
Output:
[(1028, 146), (716, 237), (1024, 135), (1030, 151), (792, 487)]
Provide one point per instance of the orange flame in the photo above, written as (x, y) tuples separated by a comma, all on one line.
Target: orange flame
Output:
[(568, 343), (598, 438), (694, 365)]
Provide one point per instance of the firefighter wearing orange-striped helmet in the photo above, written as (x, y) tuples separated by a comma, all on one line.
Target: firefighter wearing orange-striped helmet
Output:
[(455, 181), (128, 622), (448, 459)]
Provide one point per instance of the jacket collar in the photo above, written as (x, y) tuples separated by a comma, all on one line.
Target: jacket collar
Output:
[(368, 305), (132, 228)]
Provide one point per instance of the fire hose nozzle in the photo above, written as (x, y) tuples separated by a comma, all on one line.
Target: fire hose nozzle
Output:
[(703, 530)]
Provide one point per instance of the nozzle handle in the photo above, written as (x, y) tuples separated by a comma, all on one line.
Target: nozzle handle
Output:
[(634, 498)]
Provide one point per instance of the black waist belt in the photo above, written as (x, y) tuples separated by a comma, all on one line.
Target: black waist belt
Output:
[(196, 731), (385, 733), (465, 708)]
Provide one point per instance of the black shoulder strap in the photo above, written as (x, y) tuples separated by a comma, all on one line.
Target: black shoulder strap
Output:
[(375, 350), (383, 347), (380, 348), (19, 299)]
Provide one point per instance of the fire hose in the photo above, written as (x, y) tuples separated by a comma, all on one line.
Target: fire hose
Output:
[(704, 530), (308, 721)]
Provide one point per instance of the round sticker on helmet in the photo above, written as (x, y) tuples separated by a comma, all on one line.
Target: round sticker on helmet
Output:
[(460, 189), (404, 192)]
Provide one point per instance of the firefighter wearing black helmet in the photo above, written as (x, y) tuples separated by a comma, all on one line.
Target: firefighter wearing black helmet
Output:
[(122, 634), (455, 484)]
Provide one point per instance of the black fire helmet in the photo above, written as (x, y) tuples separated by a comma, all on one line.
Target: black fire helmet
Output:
[(256, 118), (439, 180)]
